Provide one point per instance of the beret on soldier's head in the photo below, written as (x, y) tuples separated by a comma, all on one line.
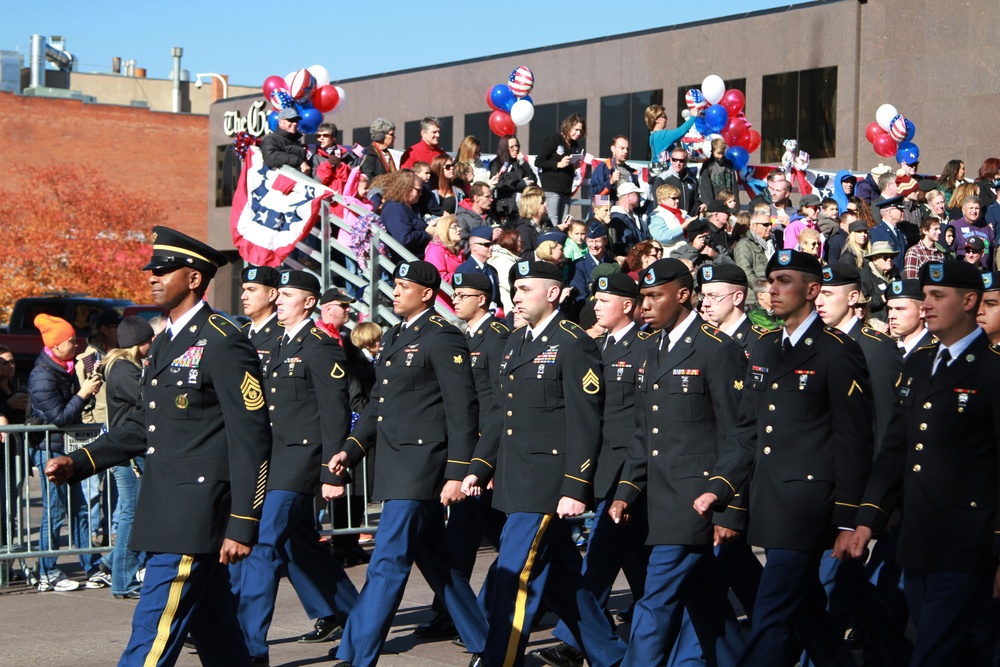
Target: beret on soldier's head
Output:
[(420, 272), (473, 280), (662, 271), (619, 284), (991, 281), (723, 273), (841, 273), (537, 269), (905, 289), (262, 275), (302, 280), (951, 273), (794, 260)]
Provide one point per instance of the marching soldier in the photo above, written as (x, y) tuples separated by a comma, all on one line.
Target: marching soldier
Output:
[(805, 429), (612, 546), (260, 292), (306, 388), (906, 321), (687, 398), (543, 438), (470, 520), (724, 293), (422, 414), (989, 306), (203, 428), (949, 538)]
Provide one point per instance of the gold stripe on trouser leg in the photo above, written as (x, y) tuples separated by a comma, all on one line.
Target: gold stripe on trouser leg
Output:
[(522, 595), (167, 617)]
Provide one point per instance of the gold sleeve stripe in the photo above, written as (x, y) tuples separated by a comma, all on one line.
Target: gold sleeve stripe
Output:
[(484, 461), (93, 465), (724, 480), (878, 508), (245, 518), (733, 507), (625, 481), (845, 504), (358, 443), (465, 463), (578, 479)]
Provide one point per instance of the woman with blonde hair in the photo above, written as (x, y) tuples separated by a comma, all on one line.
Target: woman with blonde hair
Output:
[(857, 245), (662, 140), (469, 152), (445, 249), (531, 208)]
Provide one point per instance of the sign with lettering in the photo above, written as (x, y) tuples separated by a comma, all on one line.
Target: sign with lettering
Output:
[(254, 123)]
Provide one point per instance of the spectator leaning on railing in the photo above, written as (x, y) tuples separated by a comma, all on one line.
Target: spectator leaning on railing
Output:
[(57, 397)]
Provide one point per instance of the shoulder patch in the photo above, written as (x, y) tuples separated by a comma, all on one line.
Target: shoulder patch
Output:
[(499, 327), (438, 320), (759, 330), (833, 333), (875, 333), (221, 324), (572, 328), (320, 333), (711, 332)]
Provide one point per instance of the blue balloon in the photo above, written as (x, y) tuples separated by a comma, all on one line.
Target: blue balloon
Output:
[(716, 117), (272, 121), (738, 156), (907, 152), (502, 97), (528, 99), (311, 118), (911, 130), (702, 127)]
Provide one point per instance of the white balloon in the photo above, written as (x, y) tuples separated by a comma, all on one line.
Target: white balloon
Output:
[(884, 116), (521, 112), (343, 95), (713, 88), (322, 76), (288, 79)]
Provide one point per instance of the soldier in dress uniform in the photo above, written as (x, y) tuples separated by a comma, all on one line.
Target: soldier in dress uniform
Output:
[(306, 388), (906, 321), (423, 415), (687, 399), (949, 537), (612, 546), (470, 521), (989, 306), (543, 438), (260, 292), (723, 296), (805, 429), (203, 428)]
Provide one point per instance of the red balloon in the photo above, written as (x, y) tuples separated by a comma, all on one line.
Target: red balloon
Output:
[(270, 83), (735, 131), (325, 98), (489, 99), (501, 123), (734, 101), (753, 141), (873, 131), (885, 145)]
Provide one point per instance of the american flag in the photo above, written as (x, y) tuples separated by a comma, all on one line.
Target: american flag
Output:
[(521, 81), (281, 99)]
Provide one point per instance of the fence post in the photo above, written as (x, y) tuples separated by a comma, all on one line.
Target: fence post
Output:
[(324, 230), (374, 273)]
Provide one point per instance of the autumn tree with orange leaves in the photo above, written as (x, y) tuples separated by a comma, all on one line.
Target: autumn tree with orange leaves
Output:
[(64, 229)]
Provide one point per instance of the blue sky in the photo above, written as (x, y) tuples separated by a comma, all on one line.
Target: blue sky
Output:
[(249, 40)]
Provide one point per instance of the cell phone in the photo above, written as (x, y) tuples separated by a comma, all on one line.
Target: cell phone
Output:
[(505, 167)]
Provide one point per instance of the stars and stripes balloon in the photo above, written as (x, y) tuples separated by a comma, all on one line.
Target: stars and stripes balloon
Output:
[(521, 81), (281, 99), (303, 84), (695, 101)]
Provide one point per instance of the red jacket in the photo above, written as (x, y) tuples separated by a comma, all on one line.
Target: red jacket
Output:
[(419, 152)]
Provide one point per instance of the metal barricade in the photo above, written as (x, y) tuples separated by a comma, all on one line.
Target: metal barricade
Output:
[(35, 512)]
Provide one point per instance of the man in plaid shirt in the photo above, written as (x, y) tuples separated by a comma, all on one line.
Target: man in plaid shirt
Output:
[(926, 250)]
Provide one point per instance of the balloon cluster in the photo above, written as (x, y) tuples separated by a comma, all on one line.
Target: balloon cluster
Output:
[(891, 135), (308, 91), (722, 116), (511, 105)]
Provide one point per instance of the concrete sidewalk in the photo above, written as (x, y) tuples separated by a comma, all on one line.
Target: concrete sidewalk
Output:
[(90, 628)]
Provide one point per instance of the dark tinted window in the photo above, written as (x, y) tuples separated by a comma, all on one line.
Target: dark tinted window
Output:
[(799, 105), (478, 125), (625, 115), (227, 174), (362, 135), (411, 132), (738, 84)]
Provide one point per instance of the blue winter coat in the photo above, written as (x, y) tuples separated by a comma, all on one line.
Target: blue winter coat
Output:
[(52, 392)]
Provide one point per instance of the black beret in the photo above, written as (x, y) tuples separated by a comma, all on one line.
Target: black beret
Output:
[(793, 260), (537, 269), (172, 249), (841, 273), (134, 330), (723, 273), (473, 280), (951, 273), (905, 289), (699, 226), (991, 281), (302, 280), (420, 272), (619, 284), (662, 271), (262, 275), (588, 316), (719, 206), (336, 294)]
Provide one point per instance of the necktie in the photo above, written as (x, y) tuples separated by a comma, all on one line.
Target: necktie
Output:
[(609, 342), (527, 339), (943, 360), (786, 347), (664, 348)]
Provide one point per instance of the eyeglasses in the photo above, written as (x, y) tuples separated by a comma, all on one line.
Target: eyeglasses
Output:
[(418, 189), (323, 136), (678, 159), (674, 197), (716, 298), (485, 244), (516, 146), (449, 166), (6, 362), (460, 297)]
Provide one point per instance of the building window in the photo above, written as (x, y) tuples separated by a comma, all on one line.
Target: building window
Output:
[(547, 119), (799, 105), (362, 136), (411, 131), (625, 115), (478, 125), (738, 84), (227, 174)]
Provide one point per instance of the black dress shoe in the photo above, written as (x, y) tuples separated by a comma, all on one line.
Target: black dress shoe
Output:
[(476, 660), (457, 641), (327, 629), (341, 663), (131, 595), (260, 661), (439, 627), (560, 655)]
